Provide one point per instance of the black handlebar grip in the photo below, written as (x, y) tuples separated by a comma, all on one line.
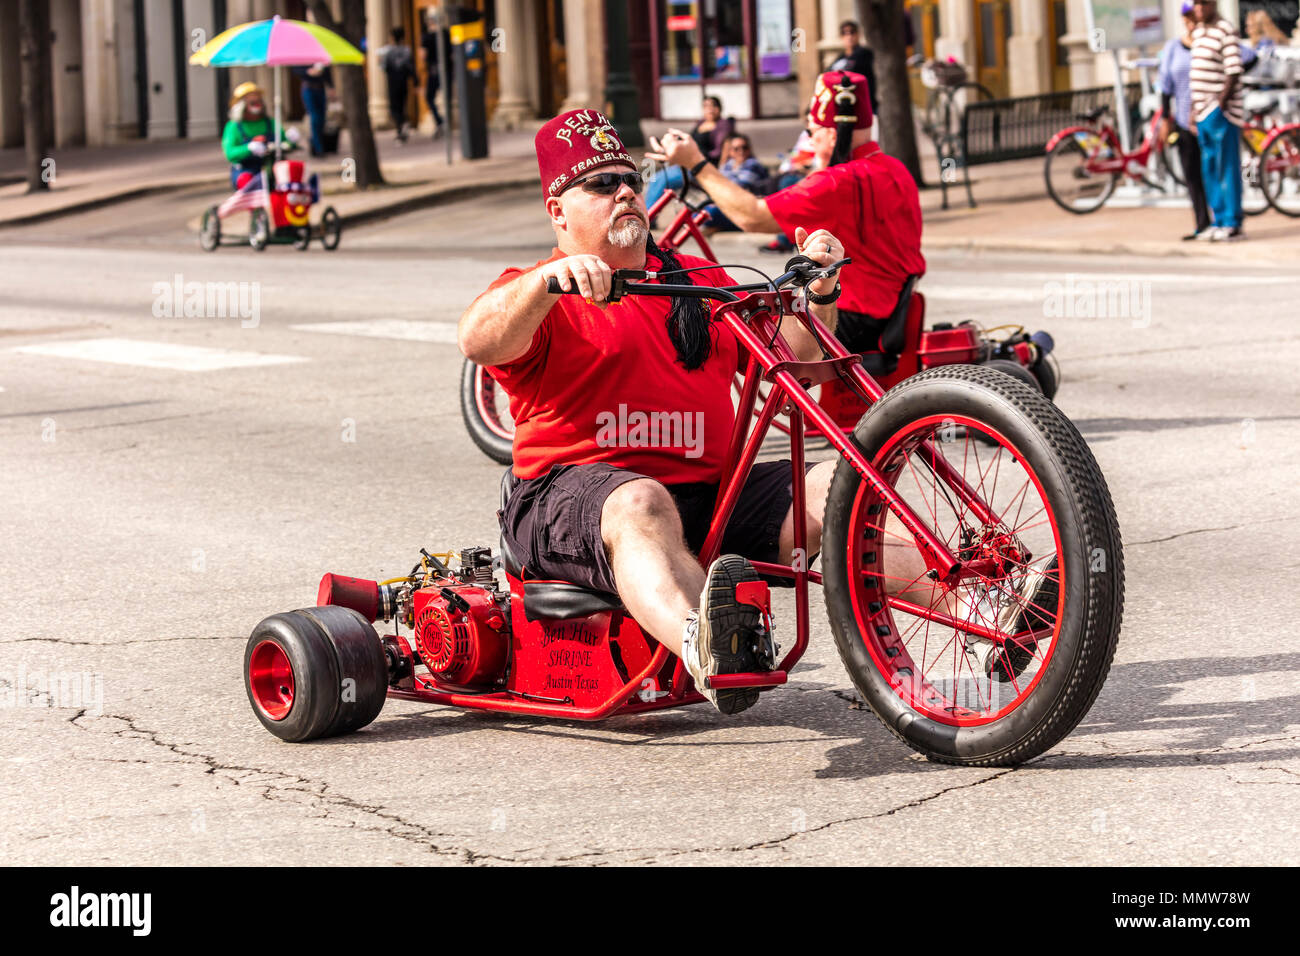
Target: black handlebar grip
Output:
[(553, 286)]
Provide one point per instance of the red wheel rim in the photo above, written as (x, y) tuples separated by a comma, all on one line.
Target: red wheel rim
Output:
[(271, 677), (938, 669), (486, 399)]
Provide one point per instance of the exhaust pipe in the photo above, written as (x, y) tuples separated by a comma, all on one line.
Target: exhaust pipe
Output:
[(368, 598)]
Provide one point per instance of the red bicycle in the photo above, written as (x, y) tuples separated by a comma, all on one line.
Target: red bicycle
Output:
[(971, 562), (909, 348), (1086, 162)]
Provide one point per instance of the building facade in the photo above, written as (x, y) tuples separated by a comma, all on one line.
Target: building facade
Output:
[(118, 68)]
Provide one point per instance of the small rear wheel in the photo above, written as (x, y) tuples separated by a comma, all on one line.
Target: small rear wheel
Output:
[(998, 664), (259, 230), (317, 672), (210, 230), (486, 409), (1071, 181), (1015, 370), (331, 228), (302, 238), (1049, 380)]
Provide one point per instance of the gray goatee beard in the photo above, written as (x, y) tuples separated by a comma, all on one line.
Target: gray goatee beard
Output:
[(627, 233)]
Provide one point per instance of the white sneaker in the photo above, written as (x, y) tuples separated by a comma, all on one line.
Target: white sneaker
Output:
[(1208, 235), (720, 637)]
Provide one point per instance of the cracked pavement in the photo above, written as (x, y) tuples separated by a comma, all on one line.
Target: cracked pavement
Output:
[(173, 510)]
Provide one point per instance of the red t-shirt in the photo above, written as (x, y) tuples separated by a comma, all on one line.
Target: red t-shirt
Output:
[(605, 386), (871, 205)]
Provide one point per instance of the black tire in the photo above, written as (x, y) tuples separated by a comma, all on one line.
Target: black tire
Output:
[(1283, 152), (492, 443), (1084, 519), (302, 238), (326, 648), (1048, 381), (1065, 158), (331, 228), (1015, 370), (210, 230), (1172, 160), (1254, 191), (259, 230)]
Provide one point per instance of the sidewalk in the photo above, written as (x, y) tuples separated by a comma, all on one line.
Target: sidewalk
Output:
[(1013, 211)]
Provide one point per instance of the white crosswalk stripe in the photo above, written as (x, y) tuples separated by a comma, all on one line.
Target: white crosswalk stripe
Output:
[(407, 329), (180, 358)]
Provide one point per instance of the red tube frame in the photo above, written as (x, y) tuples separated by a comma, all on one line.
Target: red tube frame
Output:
[(751, 320)]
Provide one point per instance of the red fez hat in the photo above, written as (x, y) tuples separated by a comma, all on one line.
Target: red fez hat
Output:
[(841, 97), (573, 143)]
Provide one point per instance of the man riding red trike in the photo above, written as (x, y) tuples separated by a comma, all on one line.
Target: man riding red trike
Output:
[(959, 574)]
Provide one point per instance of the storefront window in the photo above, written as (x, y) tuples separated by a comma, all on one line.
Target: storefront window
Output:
[(724, 40), (680, 48), (774, 38)]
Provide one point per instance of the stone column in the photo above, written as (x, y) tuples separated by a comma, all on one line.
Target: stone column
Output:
[(512, 68), (378, 27), (11, 116), (201, 82), (65, 73), (1083, 62), (161, 60), (958, 33), (584, 50), (809, 28), (1028, 71)]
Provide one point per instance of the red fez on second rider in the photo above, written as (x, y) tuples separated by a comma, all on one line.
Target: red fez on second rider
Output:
[(841, 97), (573, 143)]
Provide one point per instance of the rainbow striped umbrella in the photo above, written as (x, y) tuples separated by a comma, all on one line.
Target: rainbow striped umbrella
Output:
[(276, 42)]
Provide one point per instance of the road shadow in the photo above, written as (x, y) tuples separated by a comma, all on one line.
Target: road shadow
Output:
[(1139, 697)]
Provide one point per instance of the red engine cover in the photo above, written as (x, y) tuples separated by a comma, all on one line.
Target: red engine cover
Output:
[(467, 648)]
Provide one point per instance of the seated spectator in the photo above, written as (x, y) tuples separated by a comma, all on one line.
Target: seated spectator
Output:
[(740, 166), (710, 134)]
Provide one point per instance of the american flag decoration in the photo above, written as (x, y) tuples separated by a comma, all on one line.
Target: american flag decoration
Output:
[(251, 195)]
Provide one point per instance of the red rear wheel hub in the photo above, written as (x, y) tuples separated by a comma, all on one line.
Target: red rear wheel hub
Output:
[(270, 675)]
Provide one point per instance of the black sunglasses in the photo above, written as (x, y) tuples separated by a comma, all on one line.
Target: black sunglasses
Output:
[(606, 184)]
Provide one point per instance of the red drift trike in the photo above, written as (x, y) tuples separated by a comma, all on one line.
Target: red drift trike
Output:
[(279, 201), (909, 348), (989, 655)]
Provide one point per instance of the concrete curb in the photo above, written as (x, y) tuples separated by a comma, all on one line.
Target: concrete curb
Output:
[(1254, 252), (124, 195)]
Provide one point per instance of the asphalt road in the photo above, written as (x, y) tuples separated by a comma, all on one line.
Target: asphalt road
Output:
[(159, 501)]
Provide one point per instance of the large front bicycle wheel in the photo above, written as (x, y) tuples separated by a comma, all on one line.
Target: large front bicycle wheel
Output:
[(486, 409), (1280, 173), (998, 666), (1072, 181)]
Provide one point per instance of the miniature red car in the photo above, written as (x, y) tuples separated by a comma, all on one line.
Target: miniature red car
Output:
[(279, 200)]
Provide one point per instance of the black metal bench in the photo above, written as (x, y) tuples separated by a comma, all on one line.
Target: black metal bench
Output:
[(993, 131)]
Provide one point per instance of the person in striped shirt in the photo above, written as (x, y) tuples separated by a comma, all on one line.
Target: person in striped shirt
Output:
[(1218, 115)]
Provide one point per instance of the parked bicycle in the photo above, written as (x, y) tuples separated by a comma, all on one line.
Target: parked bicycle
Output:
[(1085, 162)]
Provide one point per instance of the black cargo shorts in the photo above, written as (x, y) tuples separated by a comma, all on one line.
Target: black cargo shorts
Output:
[(552, 522)]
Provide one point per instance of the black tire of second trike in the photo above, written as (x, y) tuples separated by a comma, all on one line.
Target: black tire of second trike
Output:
[(499, 449), (325, 647), (1090, 547)]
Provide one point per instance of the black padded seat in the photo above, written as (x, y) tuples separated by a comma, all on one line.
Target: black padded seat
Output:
[(551, 600)]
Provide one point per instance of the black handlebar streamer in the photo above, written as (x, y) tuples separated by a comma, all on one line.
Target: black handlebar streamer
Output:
[(688, 319)]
